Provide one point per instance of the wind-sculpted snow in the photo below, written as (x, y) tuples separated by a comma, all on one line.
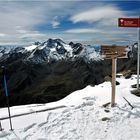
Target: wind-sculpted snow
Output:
[(87, 115), (52, 49)]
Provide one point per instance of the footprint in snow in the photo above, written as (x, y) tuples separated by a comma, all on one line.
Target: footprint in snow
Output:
[(4, 134), (41, 124), (29, 127), (27, 137), (41, 139), (66, 110), (89, 98)]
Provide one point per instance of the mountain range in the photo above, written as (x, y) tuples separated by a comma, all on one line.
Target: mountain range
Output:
[(48, 71), (50, 50)]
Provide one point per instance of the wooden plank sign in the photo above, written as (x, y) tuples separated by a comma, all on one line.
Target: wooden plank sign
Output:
[(114, 52), (109, 52)]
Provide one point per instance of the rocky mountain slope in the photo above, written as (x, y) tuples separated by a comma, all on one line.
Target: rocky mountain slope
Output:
[(48, 71)]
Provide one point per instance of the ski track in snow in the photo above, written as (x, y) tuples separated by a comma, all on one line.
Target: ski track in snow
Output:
[(82, 121)]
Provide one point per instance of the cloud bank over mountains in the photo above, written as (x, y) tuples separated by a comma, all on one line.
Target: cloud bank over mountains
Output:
[(23, 22)]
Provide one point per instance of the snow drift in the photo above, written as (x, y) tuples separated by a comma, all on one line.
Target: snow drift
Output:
[(85, 115)]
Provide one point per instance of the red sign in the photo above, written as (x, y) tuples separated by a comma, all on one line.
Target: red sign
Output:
[(129, 22)]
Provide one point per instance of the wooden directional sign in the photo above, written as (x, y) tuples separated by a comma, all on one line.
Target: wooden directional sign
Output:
[(109, 52), (114, 52), (129, 22)]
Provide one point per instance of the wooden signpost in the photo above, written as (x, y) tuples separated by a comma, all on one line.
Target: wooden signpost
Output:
[(113, 52)]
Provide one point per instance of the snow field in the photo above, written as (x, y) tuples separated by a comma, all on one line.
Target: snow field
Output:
[(83, 116)]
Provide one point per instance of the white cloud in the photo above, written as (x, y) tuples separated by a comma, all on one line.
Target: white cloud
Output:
[(2, 35), (18, 19), (83, 30), (21, 31), (97, 14), (32, 35), (103, 21), (55, 23), (114, 31)]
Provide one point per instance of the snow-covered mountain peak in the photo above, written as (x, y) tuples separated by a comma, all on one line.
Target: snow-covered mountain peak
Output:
[(53, 49), (52, 43), (30, 48), (57, 49)]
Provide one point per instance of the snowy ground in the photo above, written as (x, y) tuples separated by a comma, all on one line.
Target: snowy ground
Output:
[(79, 116)]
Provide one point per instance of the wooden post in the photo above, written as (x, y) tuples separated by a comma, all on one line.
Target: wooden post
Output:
[(114, 52), (114, 59)]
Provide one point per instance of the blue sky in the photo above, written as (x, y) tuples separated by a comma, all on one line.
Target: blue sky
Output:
[(23, 22)]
